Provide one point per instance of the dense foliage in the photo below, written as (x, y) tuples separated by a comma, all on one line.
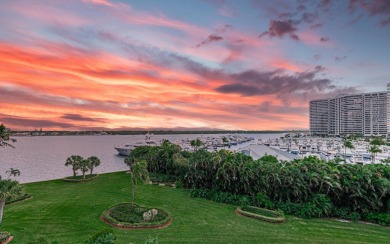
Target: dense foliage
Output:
[(306, 187), (102, 237)]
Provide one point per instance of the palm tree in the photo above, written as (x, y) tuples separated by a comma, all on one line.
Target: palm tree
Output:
[(196, 144), (93, 162), (12, 172), (374, 150), (74, 161), (376, 141), (139, 173), (347, 144), (84, 166), (8, 189), (225, 141), (5, 136)]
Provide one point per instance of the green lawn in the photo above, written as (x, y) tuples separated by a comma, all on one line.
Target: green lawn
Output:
[(69, 213)]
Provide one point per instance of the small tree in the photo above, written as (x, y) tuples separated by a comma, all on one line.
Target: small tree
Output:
[(93, 163), (139, 173), (5, 137), (74, 161)]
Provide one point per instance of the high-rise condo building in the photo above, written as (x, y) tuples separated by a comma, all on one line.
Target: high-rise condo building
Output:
[(363, 114)]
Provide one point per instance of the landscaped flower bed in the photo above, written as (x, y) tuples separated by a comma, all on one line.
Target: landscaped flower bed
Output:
[(261, 214), (18, 199), (124, 216), (80, 178)]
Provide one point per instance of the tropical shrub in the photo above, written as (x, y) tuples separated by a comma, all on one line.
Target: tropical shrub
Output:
[(220, 197), (379, 218), (4, 235), (102, 237)]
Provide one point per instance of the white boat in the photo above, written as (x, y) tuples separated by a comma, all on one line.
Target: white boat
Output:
[(126, 149)]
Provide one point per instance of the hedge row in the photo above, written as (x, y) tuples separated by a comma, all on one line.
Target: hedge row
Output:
[(18, 199), (160, 224), (220, 197), (77, 179), (262, 214)]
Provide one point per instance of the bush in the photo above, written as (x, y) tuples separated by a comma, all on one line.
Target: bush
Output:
[(379, 218), (102, 237), (221, 197), (354, 216), (263, 200), (162, 178), (4, 236)]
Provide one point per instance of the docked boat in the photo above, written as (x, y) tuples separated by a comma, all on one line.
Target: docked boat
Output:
[(126, 149)]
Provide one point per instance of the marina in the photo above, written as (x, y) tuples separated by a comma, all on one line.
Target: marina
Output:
[(323, 148)]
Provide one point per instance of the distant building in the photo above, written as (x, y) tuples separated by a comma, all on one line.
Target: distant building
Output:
[(364, 114)]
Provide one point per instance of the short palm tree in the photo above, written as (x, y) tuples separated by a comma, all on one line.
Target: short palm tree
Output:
[(93, 163), (8, 189), (74, 161), (374, 150), (196, 144), (347, 144)]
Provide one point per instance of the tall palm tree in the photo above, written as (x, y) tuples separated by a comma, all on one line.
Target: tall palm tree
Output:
[(374, 150), (347, 144), (5, 137), (74, 161), (93, 163), (8, 189), (139, 173)]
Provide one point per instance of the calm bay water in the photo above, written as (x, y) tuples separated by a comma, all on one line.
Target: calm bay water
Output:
[(42, 158)]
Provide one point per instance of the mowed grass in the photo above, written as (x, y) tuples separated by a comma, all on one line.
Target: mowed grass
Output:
[(69, 213)]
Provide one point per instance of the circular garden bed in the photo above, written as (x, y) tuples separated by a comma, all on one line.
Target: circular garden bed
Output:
[(124, 216), (261, 214), (80, 178), (18, 199)]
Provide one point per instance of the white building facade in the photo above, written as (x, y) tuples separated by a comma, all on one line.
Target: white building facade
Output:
[(364, 114)]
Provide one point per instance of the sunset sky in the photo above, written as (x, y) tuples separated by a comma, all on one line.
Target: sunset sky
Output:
[(174, 64)]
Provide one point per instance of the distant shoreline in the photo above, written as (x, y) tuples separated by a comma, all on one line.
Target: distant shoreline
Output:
[(155, 132)]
